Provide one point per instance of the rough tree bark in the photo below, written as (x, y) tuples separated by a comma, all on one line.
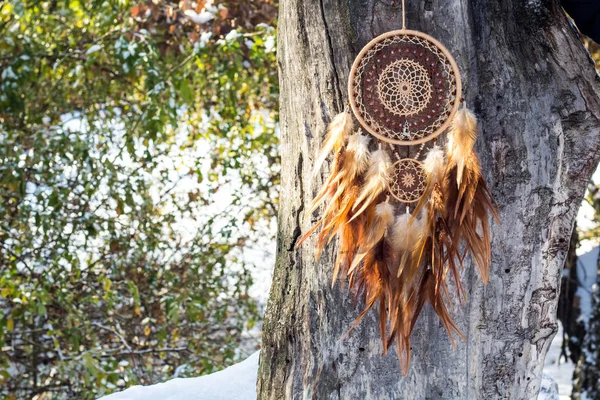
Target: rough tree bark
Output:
[(536, 92)]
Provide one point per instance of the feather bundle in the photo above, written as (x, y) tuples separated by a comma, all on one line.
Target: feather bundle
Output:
[(403, 262), (347, 166), (340, 190), (468, 198), (436, 252)]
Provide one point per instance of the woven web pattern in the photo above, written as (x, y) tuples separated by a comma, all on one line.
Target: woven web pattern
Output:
[(404, 88), (408, 180)]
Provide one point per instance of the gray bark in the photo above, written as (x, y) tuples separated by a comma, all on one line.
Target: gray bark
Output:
[(535, 91)]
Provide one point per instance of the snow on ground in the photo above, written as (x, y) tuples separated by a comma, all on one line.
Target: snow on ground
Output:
[(586, 220), (557, 368), (557, 371), (587, 274), (548, 389), (237, 382)]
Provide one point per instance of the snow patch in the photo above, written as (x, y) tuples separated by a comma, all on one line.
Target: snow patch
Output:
[(558, 372), (587, 271), (548, 389), (93, 49), (237, 382), (201, 18)]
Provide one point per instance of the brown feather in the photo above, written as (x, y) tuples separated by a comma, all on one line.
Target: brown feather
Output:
[(350, 235), (376, 180), (428, 292), (468, 206), (372, 280), (331, 184), (384, 217)]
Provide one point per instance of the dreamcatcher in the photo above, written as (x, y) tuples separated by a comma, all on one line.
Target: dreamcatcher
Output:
[(404, 222)]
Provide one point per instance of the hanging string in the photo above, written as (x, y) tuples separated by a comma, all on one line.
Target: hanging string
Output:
[(403, 16)]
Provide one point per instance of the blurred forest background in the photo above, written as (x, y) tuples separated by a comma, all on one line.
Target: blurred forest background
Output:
[(138, 185), (138, 190)]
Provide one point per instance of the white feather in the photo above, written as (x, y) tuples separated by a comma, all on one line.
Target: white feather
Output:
[(385, 213), (359, 145), (406, 234), (435, 164)]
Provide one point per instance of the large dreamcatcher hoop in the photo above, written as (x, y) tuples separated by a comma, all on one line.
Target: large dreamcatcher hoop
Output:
[(404, 87)]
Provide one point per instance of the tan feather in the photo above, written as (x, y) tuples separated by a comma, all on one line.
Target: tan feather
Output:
[(330, 185), (337, 132), (407, 232), (461, 138), (376, 181), (435, 164), (435, 167)]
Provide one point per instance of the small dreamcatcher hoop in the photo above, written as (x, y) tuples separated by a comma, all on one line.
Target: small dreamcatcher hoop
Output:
[(404, 87), (408, 180)]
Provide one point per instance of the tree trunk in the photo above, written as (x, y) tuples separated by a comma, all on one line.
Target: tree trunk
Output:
[(535, 91)]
